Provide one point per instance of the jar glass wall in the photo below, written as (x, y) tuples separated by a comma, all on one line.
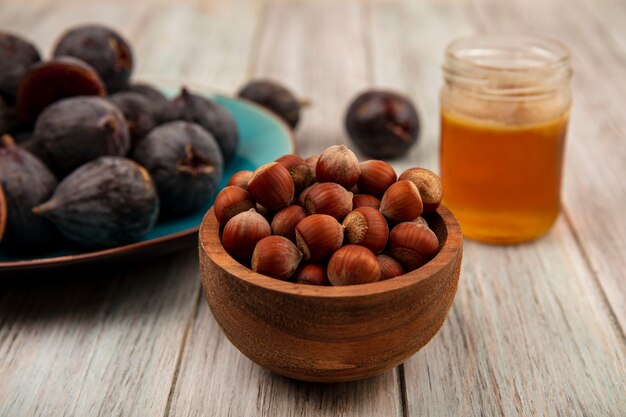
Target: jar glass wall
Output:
[(504, 112)]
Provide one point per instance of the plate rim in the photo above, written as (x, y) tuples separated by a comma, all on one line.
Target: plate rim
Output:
[(25, 264)]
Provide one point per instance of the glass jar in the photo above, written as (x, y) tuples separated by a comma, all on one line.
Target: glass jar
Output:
[(505, 106)]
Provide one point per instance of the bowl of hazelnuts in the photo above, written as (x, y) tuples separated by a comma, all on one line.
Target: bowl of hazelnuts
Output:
[(326, 269)]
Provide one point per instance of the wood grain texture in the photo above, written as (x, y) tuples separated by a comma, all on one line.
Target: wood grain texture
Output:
[(522, 312), (63, 339), (535, 329), (330, 334)]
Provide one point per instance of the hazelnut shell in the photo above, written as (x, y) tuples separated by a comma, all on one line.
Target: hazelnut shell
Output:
[(338, 164), (276, 256), (311, 274), (365, 226), (376, 176), (412, 244), (285, 221), (317, 236), (389, 267), (401, 202), (329, 198), (242, 233), (299, 170), (365, 200), (272, 186), (240, 179), (429, 186), (231, 201), (353, 265)]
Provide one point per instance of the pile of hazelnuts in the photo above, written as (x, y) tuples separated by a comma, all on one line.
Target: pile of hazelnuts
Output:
[(328, 219)]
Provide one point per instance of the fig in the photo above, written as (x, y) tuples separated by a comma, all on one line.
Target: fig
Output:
[(26, 182), (107, 202), (185, 162), (275, 98), (211, 116), (3, 213), (102, 48), (156, 99), (138, 112), (76, 130), (17, 55), (54, 80), (382, 124), (4, 118)]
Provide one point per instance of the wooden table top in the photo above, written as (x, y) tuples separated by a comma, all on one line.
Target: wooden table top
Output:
[(536, 329)]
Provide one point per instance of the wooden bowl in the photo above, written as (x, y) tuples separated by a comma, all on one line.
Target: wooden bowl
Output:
[(330, 334)]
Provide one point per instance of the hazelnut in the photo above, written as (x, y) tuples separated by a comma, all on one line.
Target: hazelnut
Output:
[(317, 236), (401, 202), (429, 186), (268, 214), (329, 198), (285, 221), (365, 226), (353, 265), (311, 274), (389, 267), (276, 256), (231, 201), (299, 170), (338, 164), (271, 186), (311, 161), (420, 221), (412, 245), (376, 176), (304, 193), (240, 179), (242, 232), (365, 200)]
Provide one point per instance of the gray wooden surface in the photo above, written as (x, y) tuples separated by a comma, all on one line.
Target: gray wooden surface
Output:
[(535, 329)]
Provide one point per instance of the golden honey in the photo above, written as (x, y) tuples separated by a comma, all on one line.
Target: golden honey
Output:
[(501, 181), (504, 113)]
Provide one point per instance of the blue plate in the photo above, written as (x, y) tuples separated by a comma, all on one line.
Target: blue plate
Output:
[(263, 138)]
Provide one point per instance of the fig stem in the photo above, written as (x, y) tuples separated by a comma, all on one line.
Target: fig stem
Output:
[(109, 123), (305, 102), (43, 208), (7, 141)]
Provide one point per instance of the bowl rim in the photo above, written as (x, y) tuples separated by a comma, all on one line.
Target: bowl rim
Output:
[(449, 250)]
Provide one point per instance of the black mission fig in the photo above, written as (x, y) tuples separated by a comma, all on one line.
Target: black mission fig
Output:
[(275, 98), (52, 81), (185, 162), (208, 114), (17, 55), (157, 100), (107, 202), (25, 182), (77, 130), (138, 112), (102, 48), (383, 124)]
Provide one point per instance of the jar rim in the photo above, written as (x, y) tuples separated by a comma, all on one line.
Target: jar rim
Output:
[(507, 64)]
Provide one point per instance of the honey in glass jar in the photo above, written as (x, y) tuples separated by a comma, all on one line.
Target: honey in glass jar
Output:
[(504, 112)]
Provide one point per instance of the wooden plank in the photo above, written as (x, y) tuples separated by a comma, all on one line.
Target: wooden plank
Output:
[(95, 344), (110, 343), (215, 379), (317, 49), (530, 332), (594, 191)]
